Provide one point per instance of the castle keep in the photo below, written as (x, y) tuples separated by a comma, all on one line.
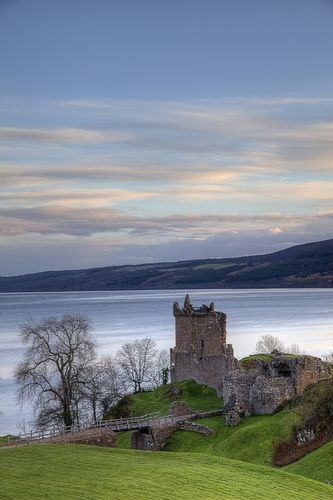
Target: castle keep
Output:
[(201, 352), (257, 388)]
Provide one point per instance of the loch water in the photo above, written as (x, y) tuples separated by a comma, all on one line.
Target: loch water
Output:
[(296, 316)]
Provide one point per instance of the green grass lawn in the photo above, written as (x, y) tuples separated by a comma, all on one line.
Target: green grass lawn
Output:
[(199, 397), (124, 440), (251, 440), (87, 472), (317, 465)]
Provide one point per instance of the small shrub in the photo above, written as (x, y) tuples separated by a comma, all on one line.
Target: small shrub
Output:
[(122, 409), (315, 408)]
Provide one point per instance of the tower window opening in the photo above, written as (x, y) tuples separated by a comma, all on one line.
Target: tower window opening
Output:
[(202, 344)]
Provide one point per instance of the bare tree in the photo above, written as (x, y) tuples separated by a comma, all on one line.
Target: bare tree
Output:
[(136, 360), (56, 365), (267, 344), (293, 349), (161, 369), (103, 387), (113, 383)]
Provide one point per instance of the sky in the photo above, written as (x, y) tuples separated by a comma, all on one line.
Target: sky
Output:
[(151, 131)]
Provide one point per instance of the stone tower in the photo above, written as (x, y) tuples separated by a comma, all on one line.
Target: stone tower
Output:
[(201, 352)]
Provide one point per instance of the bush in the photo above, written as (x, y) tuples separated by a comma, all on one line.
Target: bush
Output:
[(122, 409), (315, 408)]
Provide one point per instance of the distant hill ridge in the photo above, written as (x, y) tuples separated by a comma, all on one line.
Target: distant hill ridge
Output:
[(308, 265)]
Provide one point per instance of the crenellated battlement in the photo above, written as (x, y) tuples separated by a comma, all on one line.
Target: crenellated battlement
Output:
[(188, 309)]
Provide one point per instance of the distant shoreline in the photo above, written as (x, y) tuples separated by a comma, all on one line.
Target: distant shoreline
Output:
[(302, 266)]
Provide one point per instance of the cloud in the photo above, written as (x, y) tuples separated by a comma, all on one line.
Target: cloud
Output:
[(276, 230), (74, 197), (153, 177), (286, 101), (87, 222), (62, 135)]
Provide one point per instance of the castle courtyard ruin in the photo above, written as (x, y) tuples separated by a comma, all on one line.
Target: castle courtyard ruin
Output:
[(201, 353)]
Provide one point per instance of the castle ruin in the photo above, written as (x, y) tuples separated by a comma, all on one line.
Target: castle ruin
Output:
[(202, 354)]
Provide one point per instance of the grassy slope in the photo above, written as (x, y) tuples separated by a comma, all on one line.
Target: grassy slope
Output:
[(317, 465), (73, 471), (199, 397), (251, 440)]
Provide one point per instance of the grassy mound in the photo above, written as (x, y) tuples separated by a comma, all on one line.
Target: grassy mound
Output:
[(74, 471), (199, 397), (252, 440), (316, 465), (250, 361)]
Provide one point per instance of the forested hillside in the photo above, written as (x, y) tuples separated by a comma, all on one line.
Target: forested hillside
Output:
[(309, 265)]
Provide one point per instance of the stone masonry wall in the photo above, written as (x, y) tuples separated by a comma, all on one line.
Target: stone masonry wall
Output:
[(208, 371), (205, 333), (261, 390)]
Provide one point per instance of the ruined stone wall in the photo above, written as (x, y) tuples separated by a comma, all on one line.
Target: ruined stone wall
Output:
[(261, 390), (208, 371), (236, 390), (192, 427), (179, 408), (266, 394), (308, 371), (205, 333)]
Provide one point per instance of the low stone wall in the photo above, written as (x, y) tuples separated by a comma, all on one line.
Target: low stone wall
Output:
[(95, 437), (204, 414), (161, 434), (200, 428), (153, 438)]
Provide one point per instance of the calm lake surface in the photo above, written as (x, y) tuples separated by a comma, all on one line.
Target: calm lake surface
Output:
[(303, 317)]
